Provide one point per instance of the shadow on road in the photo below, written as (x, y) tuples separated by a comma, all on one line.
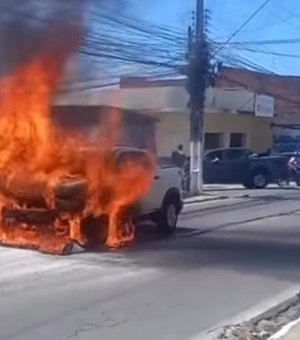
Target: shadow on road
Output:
[(259, 251), (256, 252)]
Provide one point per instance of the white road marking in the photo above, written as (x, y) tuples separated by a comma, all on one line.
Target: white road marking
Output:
[(284, 330)]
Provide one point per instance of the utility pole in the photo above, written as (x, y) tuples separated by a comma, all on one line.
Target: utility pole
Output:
[(197, 80)]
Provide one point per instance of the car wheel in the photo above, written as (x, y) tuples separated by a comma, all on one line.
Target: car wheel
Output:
[(248, 185), (168, 216), (95, 231), (259, 180), (283, 182)]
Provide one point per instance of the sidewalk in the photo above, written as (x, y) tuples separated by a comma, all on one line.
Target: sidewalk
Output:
[(204, 202), (225, 191), (213, 192), (214, 195)]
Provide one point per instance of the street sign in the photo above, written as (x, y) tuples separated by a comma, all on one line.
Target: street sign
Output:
[(264, 106)]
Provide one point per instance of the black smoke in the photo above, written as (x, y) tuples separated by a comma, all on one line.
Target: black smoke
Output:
[(28, 26)]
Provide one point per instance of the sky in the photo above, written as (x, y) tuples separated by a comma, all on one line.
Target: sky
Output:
[(278, 20)]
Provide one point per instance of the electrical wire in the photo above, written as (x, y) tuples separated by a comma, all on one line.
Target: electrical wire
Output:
[(244, 24), (266, 92), (114, 41), (263, 42), (273, 53)]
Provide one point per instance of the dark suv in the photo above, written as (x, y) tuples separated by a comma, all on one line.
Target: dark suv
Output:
[(240, 165)]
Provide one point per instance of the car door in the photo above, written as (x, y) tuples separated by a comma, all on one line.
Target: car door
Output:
[(235, 165), (153, 200), (154, 197), (213, 167)]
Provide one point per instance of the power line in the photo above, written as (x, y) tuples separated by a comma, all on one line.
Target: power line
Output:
[(270, 93), (262, 42), (278, 54), (290, 12), (237, 60), (114, 41), (252, 16)]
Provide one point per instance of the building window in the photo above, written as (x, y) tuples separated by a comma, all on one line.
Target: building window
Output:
[(237, 140), (213, 141)]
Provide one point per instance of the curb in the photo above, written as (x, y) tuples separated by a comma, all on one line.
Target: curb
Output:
[(255, 312), (207, 199), (199, 205), (211, 204), (284, 332)]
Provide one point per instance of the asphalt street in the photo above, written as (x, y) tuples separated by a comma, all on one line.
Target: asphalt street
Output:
[(224, 261)]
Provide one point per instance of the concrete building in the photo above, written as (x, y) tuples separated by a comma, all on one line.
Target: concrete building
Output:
[(286, 93), (233, 117)]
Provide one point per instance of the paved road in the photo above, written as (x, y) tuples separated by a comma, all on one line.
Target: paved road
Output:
[(222, 262)]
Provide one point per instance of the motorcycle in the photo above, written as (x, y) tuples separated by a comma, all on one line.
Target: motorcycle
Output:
[(292, 173)]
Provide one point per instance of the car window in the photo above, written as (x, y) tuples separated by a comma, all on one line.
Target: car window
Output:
[(134, 157), (235, 154), (211, 156), (165, 162), (129, 156)]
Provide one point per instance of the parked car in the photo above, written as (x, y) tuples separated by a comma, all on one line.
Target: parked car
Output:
[(241, 165)]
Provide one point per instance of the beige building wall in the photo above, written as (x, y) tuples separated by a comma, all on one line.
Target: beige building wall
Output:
[(171, 129), (174, 128), (257, 129), (169, 105)]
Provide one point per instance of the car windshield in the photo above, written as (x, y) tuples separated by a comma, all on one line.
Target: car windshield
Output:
[(211, 156), (236, 154)]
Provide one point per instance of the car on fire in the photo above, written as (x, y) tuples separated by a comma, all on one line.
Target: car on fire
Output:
[(32, 224), (164, 201)]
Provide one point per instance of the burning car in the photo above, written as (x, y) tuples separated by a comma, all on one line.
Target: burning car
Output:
[(74, 219), (54, 194)]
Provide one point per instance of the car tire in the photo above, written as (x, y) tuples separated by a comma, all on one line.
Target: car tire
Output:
[(259, 179), (95, 231), (248, 185), (283, 182), (168, 216)]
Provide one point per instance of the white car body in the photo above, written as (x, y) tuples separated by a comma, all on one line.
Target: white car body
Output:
[(167, 181)]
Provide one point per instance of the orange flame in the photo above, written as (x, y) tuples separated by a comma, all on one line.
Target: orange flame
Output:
[(37, 161)]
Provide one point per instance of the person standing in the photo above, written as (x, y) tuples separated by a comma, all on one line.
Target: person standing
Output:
[(178, 157), (181, 161)]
